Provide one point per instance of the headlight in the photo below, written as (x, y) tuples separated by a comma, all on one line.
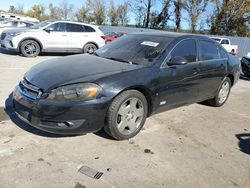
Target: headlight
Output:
[(15, 34), (87, 91)]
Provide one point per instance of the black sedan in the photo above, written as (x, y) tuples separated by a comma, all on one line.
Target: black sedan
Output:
[(125, 82), (245, 66)]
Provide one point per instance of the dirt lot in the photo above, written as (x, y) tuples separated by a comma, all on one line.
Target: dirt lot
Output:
[(193, 146)]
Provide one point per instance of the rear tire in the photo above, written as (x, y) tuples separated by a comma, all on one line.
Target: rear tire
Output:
[(222, 93), (30, 48), (126, 115)]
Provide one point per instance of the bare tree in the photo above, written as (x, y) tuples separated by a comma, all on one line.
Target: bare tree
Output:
[(97, 11), (149, 6), (139, 10), (19, 9), (178, 4), (122, 12), (163, 16), (194, 9), (66, 9), (54, 12)]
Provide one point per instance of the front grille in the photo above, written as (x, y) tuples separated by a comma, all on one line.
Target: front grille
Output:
[(3, 36), (30, 91)]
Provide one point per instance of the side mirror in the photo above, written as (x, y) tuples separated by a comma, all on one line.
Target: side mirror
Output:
[(48, 29), (177, 61)]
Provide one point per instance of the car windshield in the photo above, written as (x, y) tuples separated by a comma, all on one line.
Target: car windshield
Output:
[(40, 25), (135, 49)]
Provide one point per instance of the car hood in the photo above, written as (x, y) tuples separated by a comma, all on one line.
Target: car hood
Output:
[(74, 69), (17, 30)]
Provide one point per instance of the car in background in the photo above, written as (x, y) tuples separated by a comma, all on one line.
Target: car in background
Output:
[(53, 36), (10, 24), (110, 36), (125, 82), (226, 43), (245, 66)]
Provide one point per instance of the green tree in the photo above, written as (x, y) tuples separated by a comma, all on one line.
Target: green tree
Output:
[(113, 14), (38, 11), (230, 17), (96, 11), (82, 14)]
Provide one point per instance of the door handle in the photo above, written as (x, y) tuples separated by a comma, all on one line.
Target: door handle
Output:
[(64, 35)]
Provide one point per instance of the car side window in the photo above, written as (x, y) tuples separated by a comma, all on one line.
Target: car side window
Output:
[(186, 49), (89, 29), (224, 41), (75, 28), (208, 50), (58, 27)]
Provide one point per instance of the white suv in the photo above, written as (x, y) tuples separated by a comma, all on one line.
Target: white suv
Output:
[(53, 36)]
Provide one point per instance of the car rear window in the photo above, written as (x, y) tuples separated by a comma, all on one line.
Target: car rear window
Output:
[(75, 28), (208, 50), (89, 29), (136, 48)]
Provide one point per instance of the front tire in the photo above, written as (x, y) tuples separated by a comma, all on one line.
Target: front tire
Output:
[(126, 115), (30, 48), (222, 94)]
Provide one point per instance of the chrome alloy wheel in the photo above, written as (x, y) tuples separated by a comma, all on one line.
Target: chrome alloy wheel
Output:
[(30, 48), (130, 116), (223, 93)]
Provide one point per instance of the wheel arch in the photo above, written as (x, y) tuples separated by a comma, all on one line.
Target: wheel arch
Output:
[(92, 42), (145, 92), (31, 38), (231, 77)]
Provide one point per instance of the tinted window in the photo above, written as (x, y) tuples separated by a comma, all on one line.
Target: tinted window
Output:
[(59, 27), (185, 49), (75, 28), (89, 29), (208, 50), (136, 48), (224, 41)]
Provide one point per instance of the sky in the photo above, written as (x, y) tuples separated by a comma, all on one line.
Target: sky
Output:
[(5, 4)]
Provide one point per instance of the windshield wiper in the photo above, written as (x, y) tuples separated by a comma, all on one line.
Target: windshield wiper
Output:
[(121, 60)]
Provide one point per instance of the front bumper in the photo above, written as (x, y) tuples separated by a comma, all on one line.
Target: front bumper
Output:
[(9, 43), (245, 69), (68, 118)]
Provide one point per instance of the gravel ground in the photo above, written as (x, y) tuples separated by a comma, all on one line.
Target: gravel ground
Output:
[(192, 146)]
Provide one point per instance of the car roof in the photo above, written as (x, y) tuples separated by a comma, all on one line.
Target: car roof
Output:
[(73, 22), (172, 35)]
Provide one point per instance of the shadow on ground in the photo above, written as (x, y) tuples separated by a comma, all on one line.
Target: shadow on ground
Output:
[(9, 113), (8, 52), (244, 142)]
